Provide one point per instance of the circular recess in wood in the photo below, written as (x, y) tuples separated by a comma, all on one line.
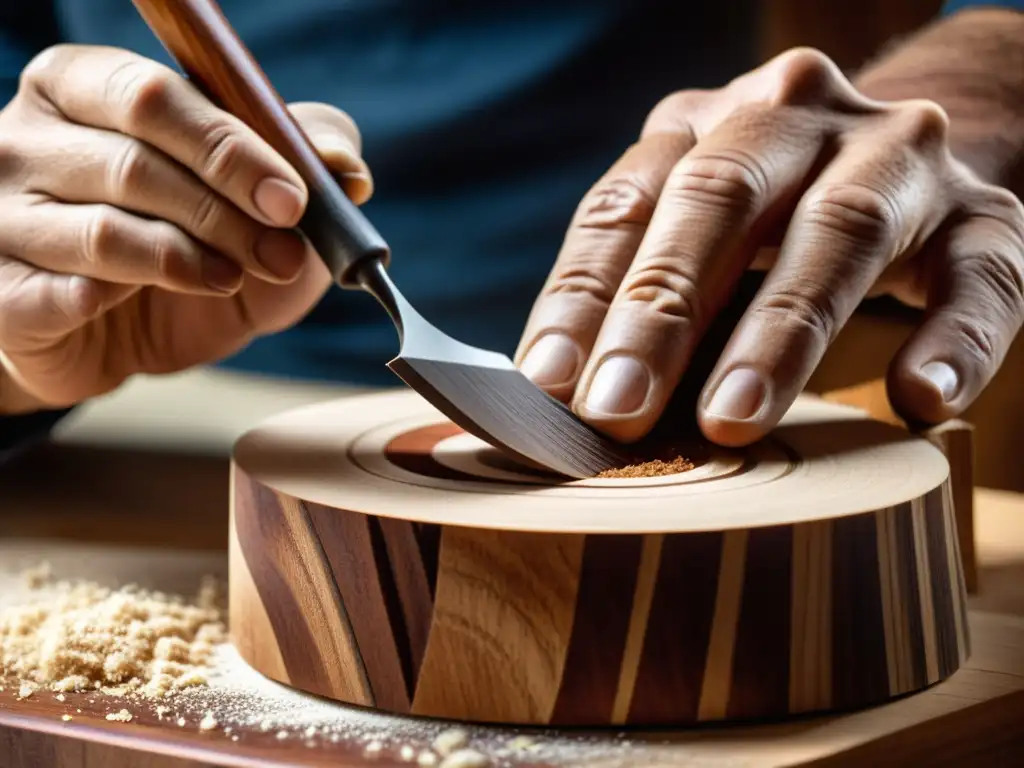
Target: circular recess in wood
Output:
[(381, 557)]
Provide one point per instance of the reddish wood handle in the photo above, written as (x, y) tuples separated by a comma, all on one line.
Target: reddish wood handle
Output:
[(200, 38)]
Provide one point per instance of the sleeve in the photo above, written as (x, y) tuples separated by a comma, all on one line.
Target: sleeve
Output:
[(26, 28), (21, 432), (950, 7)]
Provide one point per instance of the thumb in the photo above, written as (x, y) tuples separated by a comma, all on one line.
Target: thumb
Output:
[(337, 139)]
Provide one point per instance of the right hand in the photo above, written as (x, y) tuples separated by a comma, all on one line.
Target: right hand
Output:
[(143, 229)]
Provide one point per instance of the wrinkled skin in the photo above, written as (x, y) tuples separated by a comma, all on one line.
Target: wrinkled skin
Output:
[(787, 169), (138, 231)]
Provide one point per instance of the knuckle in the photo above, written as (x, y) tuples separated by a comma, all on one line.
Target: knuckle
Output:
[(617, 200), (41, 67), (921, 123), (207, 213), (583, 274), (797, 307), (1002, 275), (129, 170), (663, 285), (102, 235), (672, 113), (977, 339), (854, 212), (222, 152), (141, 91), (803, 75), (727, 179), (1006, 207), (170, 253)]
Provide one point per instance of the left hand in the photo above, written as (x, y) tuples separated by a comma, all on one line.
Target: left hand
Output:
[(870, 201)]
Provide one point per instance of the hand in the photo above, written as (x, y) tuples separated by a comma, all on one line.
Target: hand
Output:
[(860, 197), (142, 229)]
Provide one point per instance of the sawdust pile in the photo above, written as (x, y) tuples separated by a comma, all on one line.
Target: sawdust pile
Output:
[(653, 468), (80, 636)]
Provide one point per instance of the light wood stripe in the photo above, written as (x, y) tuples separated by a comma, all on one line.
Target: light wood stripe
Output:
[(888, 559), (714, 695), (319, 601), (924, 587), (650, 560), (899, 564), (811, 650), (244, 602), (952, 554)]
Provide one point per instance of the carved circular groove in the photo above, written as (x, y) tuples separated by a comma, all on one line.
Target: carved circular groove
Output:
[(381, 557)]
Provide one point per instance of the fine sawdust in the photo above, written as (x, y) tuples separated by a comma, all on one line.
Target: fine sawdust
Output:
[(80, 636), (114, 645)]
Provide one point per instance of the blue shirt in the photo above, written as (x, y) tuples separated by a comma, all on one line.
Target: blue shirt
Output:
[(484, 124)]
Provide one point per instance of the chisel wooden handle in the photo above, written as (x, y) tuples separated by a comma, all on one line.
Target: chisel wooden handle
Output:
[(199, 37)]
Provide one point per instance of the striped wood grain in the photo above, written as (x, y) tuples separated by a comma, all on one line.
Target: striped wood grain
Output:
[(574, 629)]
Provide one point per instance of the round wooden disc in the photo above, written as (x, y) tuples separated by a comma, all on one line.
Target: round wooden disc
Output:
[(382, 557), (393, 455)]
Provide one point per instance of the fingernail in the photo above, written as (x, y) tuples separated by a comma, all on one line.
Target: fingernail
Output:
[(279, 201), (943, 378), (619, 386), (739, 396), (281, 253), (552, 360), (220, 274)]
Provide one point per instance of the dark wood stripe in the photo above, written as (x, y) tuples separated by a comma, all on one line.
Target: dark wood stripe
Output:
[(266, 540), (910, 591), (355, 565), (413, 594), (859, 662), (942, 583), (671, 670), (604, 603), (760, 674), (428, 539), (413, 452)]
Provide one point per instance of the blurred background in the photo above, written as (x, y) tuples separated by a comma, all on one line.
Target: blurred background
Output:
[(155, 452)]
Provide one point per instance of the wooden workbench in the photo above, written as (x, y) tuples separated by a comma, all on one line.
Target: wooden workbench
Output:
[(158, 517)]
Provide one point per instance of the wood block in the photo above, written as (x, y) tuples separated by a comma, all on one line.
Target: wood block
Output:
[(381, 557)]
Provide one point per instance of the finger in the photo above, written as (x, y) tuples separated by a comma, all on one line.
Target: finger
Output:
[(106, 243), (88, 165), (601, 242), (38, 307), (337, 139), (120, 91), (976, 308), (879, 198), (702, 237)]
